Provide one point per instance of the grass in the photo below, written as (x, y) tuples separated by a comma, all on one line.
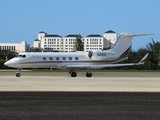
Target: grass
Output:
[(82, 73)]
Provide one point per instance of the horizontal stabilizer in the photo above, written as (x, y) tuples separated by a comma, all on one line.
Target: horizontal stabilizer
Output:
[(134, 35), (143, 59)]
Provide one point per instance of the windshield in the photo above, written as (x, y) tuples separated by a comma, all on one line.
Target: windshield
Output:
[(20, 56)]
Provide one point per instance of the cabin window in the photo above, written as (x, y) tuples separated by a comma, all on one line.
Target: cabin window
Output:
[(44, 58), (64, 58), (51, 58), (70, 58), (57, 58), (76, 58)]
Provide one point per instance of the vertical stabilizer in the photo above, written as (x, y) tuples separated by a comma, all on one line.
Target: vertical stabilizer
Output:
[(123, 44)]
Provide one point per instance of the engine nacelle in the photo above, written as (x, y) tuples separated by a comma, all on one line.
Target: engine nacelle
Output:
[(101, 55)]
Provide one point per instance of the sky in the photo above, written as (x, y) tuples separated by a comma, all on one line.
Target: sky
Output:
[(21, 20)]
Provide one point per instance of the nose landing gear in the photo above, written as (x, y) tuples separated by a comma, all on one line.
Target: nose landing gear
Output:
[(18, 74)]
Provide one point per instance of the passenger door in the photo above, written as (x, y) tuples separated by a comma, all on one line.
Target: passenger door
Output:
[(35, 60)]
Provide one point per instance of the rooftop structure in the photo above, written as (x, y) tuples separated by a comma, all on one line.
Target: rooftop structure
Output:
[(91, 42)]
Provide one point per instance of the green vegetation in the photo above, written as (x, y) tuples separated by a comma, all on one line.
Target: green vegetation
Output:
[(106, 48), (78, 46), (4, 56), (151, 63)]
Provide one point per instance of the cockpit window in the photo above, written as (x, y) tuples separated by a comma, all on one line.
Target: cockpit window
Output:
[(20, 56), (23, 56)]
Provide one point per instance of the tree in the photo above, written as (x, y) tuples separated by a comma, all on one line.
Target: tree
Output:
[(106, 48), (78, 45), (154, 57), (4, 56)]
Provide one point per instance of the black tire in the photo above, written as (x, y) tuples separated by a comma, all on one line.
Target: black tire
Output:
[(73, 74), (88, 74), (18, 75)]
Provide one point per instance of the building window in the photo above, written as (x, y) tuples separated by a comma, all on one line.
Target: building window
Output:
[(44, 58)]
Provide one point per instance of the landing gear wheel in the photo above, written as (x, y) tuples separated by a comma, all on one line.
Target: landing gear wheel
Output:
[(88, 74), (73, 74), (18, 74)]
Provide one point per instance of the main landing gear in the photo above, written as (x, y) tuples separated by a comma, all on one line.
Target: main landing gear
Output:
[(18, 74), (74, 74), (88, 74)]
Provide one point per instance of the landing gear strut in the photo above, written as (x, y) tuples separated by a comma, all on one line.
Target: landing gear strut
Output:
[(73, 74), (18, 74), (88, 74)]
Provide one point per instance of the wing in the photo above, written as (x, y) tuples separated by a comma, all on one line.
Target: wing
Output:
[(106, 65)]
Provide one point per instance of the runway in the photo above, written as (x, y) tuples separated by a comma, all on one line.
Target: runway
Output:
[(79, 106), (66, 98), (79, 84)]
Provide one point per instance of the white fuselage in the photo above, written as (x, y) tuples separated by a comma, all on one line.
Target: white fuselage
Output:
[(58, 59)]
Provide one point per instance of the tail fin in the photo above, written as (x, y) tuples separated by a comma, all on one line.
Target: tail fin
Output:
[(123, 44)]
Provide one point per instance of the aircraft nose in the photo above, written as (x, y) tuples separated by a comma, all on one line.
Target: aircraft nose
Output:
[(8, 63)]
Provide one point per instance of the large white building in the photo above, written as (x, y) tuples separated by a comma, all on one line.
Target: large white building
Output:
[(17, 47), (91, 42)]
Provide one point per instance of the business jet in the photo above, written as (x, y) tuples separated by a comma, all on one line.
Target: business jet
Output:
[(94, 59)]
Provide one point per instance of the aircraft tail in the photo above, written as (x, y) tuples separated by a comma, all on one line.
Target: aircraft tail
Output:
[(123, 44)]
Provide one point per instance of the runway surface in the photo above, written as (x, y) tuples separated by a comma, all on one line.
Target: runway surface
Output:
[(80, 98), (67, 83), (79, 106)]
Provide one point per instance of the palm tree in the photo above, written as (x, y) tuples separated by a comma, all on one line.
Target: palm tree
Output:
[(154, 50)]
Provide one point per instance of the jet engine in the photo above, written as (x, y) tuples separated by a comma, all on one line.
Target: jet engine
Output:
[(101, 55)]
